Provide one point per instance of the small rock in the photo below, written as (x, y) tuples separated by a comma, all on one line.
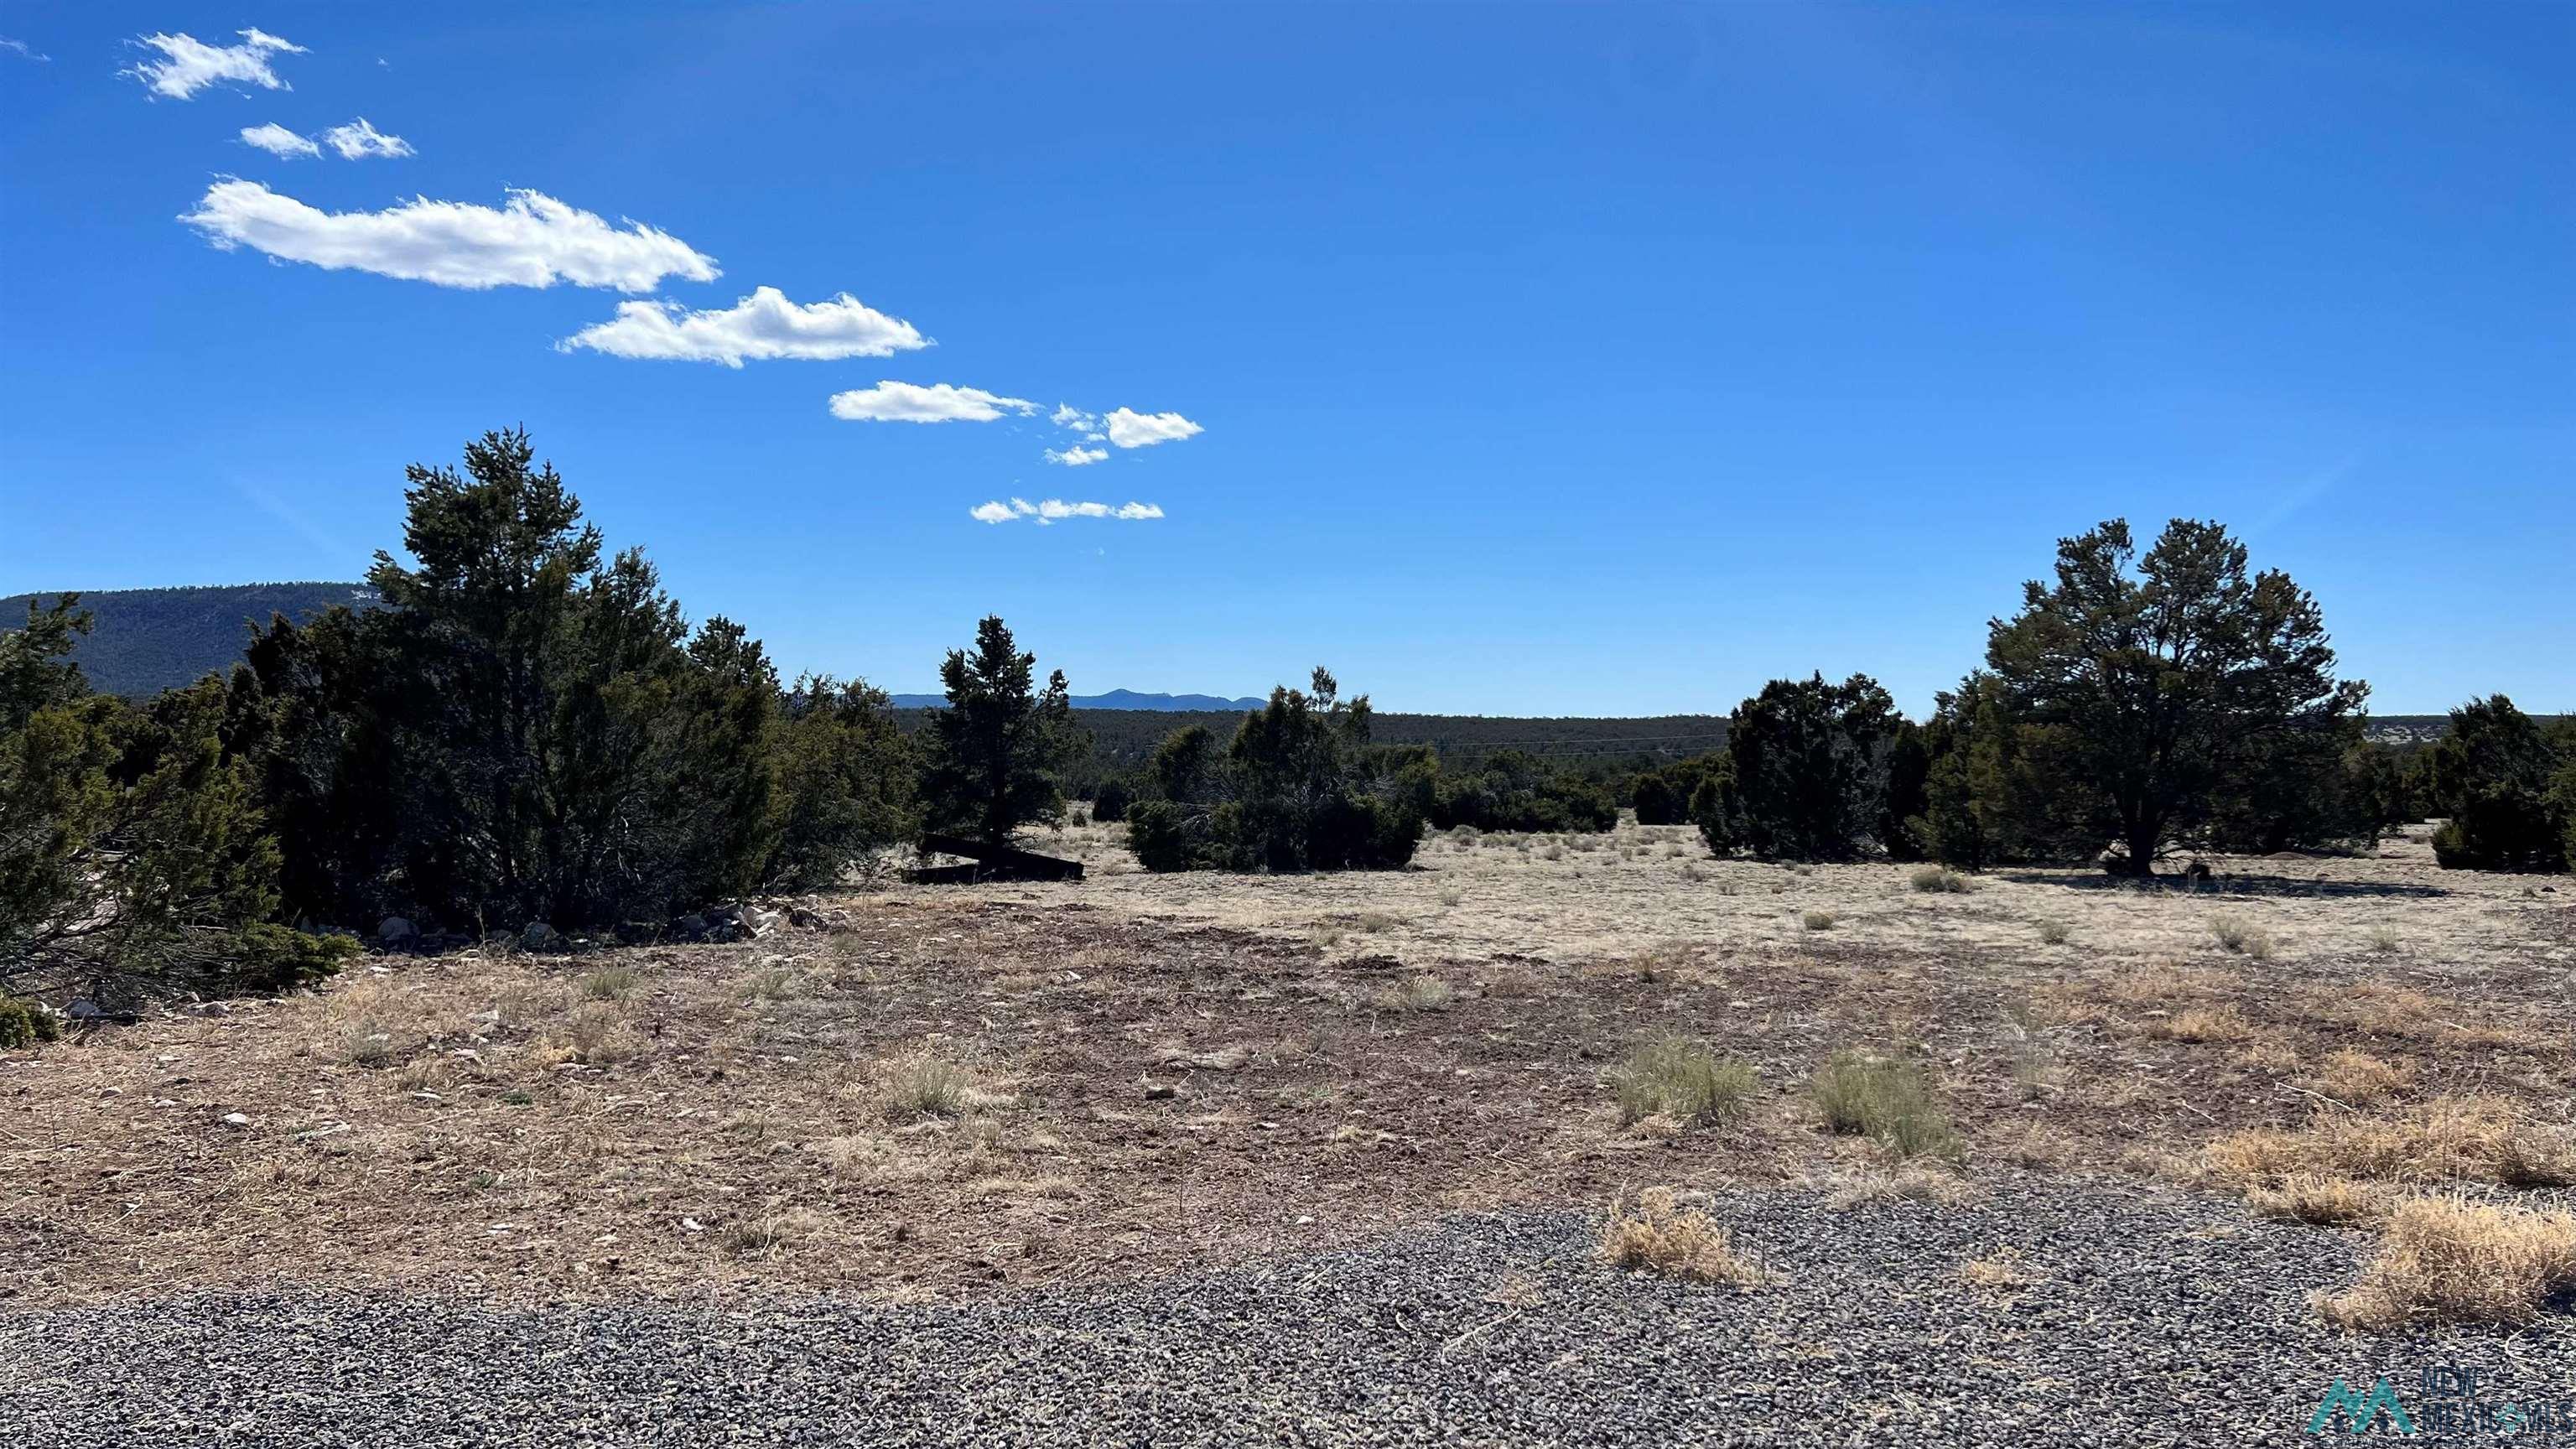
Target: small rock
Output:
[(236, 1119), (397, 931), (1160, 1091), (540, 936)]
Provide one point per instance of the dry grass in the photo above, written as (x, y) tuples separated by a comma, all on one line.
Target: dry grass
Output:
[(1886, 1099), (1417, 993), (1939, 880), (2220, 1023), (2452, 1260), (923, 1086), (2449, 1139), (1661, 1236), (1682, 1079), (2358, 1079), (1817, 920), (2000, 1272), (2243, 937), (2308, 1197)]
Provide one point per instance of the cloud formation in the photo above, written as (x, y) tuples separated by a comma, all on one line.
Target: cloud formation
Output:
[(904, 402), (1056, 508), (22, 49), (358, 140), (533, 240), (278, 141), (761, 326), (189, 65), (1131, 429), (1077, 456)]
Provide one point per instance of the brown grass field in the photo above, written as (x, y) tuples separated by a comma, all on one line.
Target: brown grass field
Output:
[(939, 1090)]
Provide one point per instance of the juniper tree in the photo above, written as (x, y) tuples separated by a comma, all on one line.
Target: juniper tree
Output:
[(2156, 690), (997, 750)]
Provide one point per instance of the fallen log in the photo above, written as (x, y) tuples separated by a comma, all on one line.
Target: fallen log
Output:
[(987, 862)]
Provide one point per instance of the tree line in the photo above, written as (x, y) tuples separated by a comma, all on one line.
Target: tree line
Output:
[(527, 734)]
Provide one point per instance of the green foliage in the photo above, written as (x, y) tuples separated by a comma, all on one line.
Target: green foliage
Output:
[(1806, 775), (996, 753), (1298, 789), (1109, 802), (2170, 698), (845, 778), (2507, 789), (527, 731), (133, 855), (24, 1024), (1514, 790)]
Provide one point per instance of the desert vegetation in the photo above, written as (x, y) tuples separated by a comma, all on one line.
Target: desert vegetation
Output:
[(516, 900)]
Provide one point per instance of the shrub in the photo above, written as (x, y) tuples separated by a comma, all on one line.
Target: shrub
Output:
[(609, 983), (23, 1024), (2242, 936), (1889, 1101), (1662, 1236), (1938, 880), (923, 1086), (1817, 920), (2451, 1260), (1298, 789), (1418, 993), (1109, 802), (1517, 791), (1684, 1080), (2054, 932)]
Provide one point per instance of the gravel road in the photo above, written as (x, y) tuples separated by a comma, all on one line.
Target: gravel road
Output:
[(2151, 1317)]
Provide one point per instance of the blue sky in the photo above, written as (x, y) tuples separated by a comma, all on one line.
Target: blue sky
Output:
[(1544, 359)]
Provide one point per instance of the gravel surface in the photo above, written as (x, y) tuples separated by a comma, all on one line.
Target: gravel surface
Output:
[(2150, 1317)]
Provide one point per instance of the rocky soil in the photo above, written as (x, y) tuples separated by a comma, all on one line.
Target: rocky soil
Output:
[(2101, 1314)]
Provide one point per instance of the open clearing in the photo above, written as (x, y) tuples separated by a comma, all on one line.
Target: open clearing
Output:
[(1123, 1121)]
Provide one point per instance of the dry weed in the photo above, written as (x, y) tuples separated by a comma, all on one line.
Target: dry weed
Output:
[(2451, 1260), (1662, 1236)]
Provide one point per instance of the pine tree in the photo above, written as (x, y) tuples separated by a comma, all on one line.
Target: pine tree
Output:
[(998, 749)]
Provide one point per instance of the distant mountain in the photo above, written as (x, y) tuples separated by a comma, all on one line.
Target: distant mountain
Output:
[(147, 640), (1114, 699)]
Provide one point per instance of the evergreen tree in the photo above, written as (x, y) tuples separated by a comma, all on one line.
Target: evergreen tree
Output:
[(2505, 787), (1808, 771), (998, 748), (2163, 691)]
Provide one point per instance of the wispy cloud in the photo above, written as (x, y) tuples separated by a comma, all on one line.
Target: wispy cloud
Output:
[(1131, 429), (189, 65), (761, 326), (1077, 456), (532, 240), (22, 49), (278, 141), (904, 402), (1054, 509), (358, 140)]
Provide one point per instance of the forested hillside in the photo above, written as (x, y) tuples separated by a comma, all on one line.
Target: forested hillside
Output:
[(148, 640)]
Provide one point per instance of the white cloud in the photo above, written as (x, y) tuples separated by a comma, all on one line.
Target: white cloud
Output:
[(358, 140), (1066, 415), (1077, 456), (533, 240), (1131, 429), (1054, 509), (22, 48), (904, 402), (278, 141), (189, 65), (762, 325)]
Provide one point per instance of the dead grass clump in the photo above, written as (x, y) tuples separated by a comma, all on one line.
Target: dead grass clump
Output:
[(2308, 1197), (594, 1036), (2203, 1024), (1684, 1080), (770, 983), (2449, 1139), (2243, 937), (609, 983), (1417, 993), (1817, 920), (1906, 1184), (923, 1086), (1887, 1100), (770, 1235), (2001, 1272), (2385, 941), (2358, 1079), (2053, 932), (1940, 880), (1662, 1236), (2450, 1260)]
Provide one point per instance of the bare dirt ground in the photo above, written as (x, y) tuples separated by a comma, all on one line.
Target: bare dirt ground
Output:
[(946, 1092)]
